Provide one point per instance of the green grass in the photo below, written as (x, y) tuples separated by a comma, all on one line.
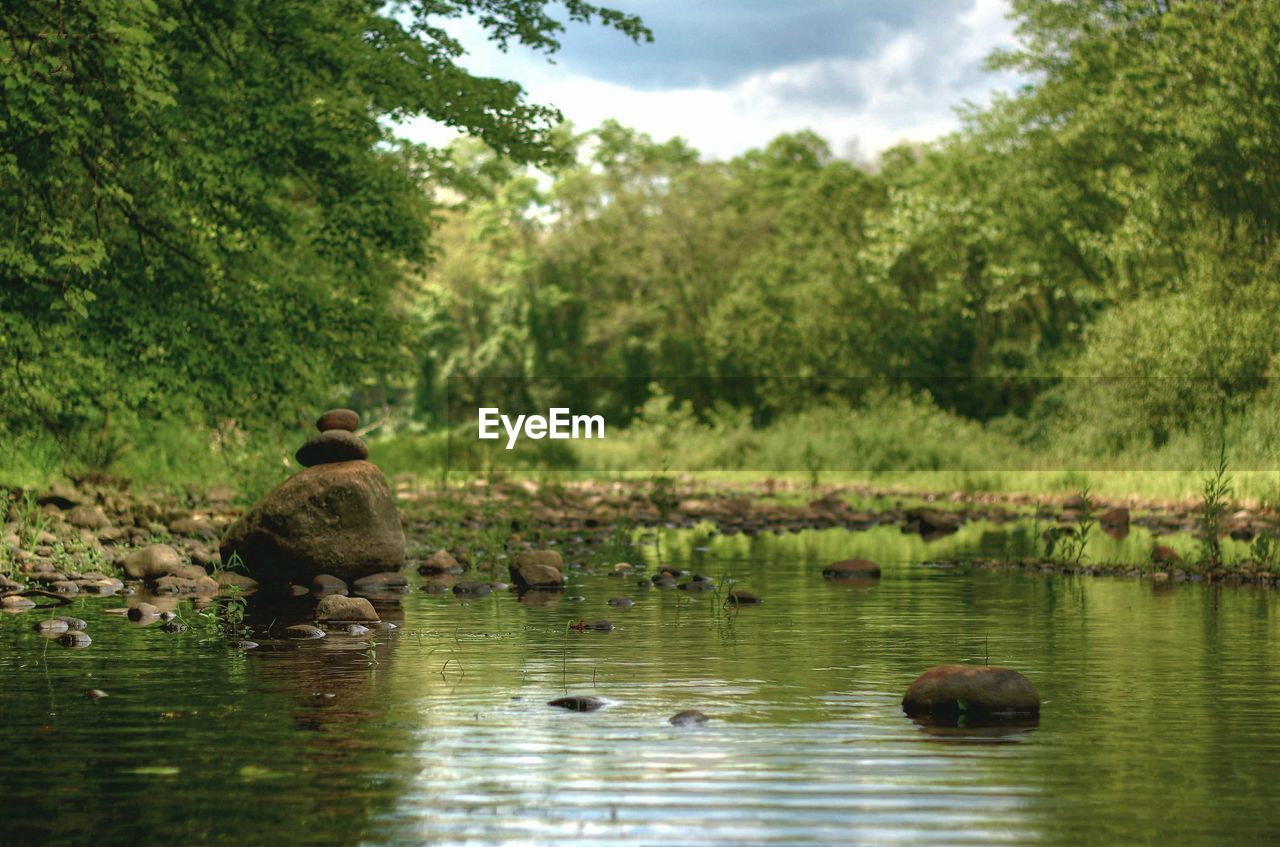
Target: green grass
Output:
[(898, 444)]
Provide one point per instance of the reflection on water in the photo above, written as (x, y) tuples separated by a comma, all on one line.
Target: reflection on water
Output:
[(1160, 724)]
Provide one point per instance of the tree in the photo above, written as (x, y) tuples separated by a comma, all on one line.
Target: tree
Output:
[(206, 204)]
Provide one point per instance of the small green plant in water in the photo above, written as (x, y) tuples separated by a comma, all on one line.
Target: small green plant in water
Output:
[(1067, 544), (1215, 503), (225, 618)]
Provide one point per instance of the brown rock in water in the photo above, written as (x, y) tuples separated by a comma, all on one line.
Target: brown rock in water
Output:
[(540, 557), (578, 703), (1163, 555), (143, 612), (338, 419), (852, 569), (335, 445), (324, 584), (930, 523), (689, 717), (336, 519), (154, 561), (742, 598), (971, 689), (535, 575), (441, 561), (1115, 517), (335, 608)]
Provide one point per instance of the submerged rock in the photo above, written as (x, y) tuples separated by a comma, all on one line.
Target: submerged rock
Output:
[(578, 703), (689, 717), (303, 631), (738, 597), (472, 589), (986, 690), (852, 569), (336, 519)]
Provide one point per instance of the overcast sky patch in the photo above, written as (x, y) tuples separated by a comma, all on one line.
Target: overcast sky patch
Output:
[(730, 75)]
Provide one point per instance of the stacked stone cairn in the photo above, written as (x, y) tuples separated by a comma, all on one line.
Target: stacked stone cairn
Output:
[(336, 517)]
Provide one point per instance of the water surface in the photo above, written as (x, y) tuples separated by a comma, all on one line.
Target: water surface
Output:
[(1160, 724)]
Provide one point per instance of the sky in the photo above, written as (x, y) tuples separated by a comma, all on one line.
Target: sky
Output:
[(730, 75)]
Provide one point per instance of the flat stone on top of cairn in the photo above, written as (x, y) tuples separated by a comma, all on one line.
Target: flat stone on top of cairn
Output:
[(344, 419), (332, 445)]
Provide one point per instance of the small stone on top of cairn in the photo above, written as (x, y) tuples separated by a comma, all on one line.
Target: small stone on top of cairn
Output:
[(337, 441), (344, 419)]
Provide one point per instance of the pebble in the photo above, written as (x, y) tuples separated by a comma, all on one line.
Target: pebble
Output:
[(356, 629), (74, 639), (244, 645), (173, 627), (622, 602), (472, 589), (51, 627), (338, 419), (143, 612), (95, 694), (600, 626), (303, 631), (73, 623), (742, 598)]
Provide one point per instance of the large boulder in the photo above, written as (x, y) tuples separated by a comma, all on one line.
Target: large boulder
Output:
[(338, 519), (980, 690)]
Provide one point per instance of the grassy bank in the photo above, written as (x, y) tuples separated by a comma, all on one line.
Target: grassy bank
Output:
[(896, 444)]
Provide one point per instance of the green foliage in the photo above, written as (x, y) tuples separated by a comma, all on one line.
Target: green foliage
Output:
[(207, 210), (1067, 544), (1215, 503)]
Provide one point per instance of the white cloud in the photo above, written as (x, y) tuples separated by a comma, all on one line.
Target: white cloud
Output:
[(906, 91)]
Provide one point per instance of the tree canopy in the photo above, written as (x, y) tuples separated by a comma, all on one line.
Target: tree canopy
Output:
[(207, 206)]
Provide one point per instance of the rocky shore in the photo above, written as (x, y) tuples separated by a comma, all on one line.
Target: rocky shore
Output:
[(103, 538)]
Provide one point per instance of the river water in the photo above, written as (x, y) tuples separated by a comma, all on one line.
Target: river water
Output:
[(1160, 721)]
